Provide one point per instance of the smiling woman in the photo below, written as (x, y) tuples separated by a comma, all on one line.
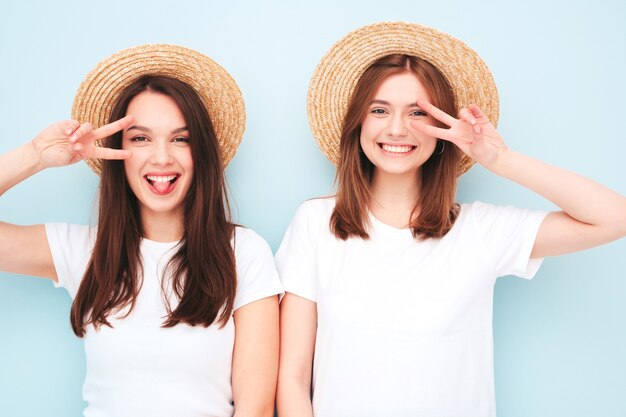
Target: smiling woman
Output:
[(389, 283), (161, 154), (161, 165), (176, 304), (403, 151)]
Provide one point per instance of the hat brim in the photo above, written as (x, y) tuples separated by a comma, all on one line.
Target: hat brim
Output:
[(339, 71), (221, 96)]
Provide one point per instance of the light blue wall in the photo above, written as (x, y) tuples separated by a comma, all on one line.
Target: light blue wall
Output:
[(560, 339)]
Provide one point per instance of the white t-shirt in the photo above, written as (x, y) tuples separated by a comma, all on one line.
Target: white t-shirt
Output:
[(405, 327), (138, 368)]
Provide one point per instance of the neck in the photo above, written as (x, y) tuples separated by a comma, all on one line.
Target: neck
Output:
[(394, 197), (163, 227)]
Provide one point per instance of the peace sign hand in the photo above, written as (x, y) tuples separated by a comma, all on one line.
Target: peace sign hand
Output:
[(473, 133), (67, 142)]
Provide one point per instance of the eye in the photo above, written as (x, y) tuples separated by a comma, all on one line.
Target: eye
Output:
[(181, 140), (378, 111), (139, 138), (418, 113)]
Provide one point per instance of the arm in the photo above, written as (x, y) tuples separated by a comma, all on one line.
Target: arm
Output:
[(24, 249), (592, 214), (255, 358), (298, 326)]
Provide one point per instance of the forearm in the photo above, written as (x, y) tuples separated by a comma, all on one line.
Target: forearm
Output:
[(293, 397), (579, 197), (254, 391), (17, 165)]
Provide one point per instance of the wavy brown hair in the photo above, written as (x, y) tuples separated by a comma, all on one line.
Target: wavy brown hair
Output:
[(203, 274), (436, 206)]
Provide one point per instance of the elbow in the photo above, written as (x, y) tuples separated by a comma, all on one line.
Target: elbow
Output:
[(622, 227), (621, 222), (614, 231), (615, 222)]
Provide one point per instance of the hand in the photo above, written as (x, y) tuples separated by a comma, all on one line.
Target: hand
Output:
[(68, 142), (473, 133)]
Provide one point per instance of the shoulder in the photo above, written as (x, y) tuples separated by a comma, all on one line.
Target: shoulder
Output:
[(71, 246), (246, 241), (319, 204), (76, 229), (78, 235), (491, 217), (312, 218), (315, 209), (256, 273), (479, 209)]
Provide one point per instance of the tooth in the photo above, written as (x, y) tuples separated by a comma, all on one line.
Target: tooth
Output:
[(160, 178)]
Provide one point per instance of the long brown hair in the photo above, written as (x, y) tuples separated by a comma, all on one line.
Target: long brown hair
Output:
[(436, 204), (203, 268)]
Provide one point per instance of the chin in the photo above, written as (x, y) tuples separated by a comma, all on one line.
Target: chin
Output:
[(395, 170)]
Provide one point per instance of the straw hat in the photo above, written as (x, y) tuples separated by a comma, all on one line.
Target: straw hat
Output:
[(341, 68), (102, 87)]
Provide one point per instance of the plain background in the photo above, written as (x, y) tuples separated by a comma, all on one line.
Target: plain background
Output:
[(560, 339)]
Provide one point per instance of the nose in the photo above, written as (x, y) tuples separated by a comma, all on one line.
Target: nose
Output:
[(397, 126), (162, 154)]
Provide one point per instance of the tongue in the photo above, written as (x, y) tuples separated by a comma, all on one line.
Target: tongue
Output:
[(161, 186)]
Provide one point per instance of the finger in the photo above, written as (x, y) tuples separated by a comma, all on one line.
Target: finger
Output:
[(111, 128), (438, 132), (108, 153), (430, 130), (71, 127), (83, 130), (440, 115), (476, 111), (467, 116)]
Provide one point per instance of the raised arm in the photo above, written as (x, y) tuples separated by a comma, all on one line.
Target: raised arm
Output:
[(24, 249), (591, 213), (298, 327), (255, 358)]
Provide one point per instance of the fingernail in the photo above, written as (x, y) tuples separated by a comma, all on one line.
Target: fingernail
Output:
[(472, 122), (476, 129), (68, 131), (73, 138), (78, 147)]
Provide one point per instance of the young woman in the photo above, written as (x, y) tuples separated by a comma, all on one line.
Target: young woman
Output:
[(177, 305), (389, 283)]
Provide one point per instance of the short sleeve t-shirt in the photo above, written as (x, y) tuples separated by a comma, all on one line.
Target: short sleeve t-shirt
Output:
[(405, 326), (138, 368)]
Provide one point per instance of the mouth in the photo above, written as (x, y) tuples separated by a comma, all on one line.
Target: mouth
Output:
[(161, 184), (399, 150)]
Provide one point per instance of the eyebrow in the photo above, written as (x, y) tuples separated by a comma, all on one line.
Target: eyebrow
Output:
[(145, 129), (386, 103)]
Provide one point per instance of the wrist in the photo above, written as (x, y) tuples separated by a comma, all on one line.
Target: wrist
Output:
[(503, 162), (31, 158)]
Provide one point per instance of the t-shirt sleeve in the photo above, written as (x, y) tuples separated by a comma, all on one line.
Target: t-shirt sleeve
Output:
[(509, 234), (256, 273), (71, 246), (295, 258)]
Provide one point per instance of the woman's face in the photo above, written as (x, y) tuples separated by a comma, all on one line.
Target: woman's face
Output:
[(160, 169), (387, 138)]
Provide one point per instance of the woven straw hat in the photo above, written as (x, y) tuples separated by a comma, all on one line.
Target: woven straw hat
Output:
[(102, 87), (341, 68)]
